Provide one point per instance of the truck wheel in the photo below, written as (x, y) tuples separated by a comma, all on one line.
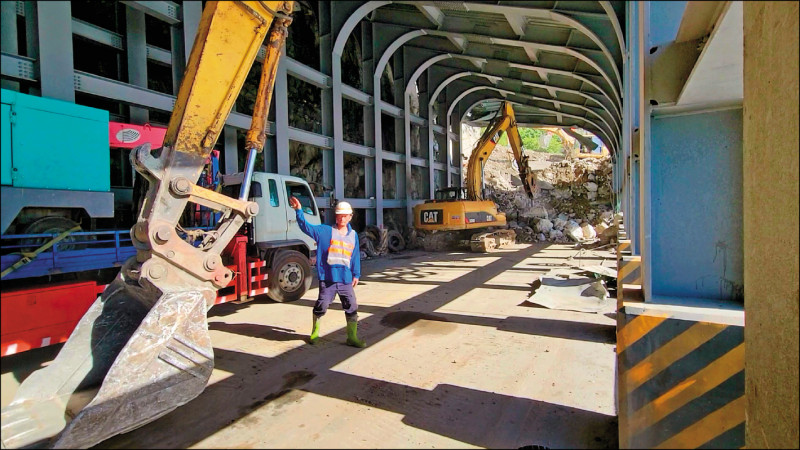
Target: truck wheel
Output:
[(289, 277), (54, 225)]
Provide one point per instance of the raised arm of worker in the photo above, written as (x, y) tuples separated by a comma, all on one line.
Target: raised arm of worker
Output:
[(307, 228)]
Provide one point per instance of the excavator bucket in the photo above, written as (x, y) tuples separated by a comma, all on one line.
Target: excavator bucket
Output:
[(143, 348), (136, 355)]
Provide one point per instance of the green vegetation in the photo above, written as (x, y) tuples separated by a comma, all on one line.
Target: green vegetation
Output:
[(531, 137)]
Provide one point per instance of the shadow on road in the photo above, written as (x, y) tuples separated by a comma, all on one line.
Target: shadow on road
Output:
[(463, 414)]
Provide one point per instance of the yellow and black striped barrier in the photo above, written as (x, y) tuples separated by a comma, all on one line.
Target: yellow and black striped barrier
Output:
[(629, 278), (623, 249), (681, 383), (621, 233), (629, 270), (624, 246)]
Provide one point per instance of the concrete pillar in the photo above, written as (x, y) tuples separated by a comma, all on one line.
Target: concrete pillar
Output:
[(770, 209), (8, 37), (136, 52), (192, 11), (178, 57), (281, 98), (374, 177), (377, 133), (56, 64), (231, 150), (325, 66)]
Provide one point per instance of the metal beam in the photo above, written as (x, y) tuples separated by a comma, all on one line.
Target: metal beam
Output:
[(97, 34), (166, 11), (609, 141), (308, 137), (356, 95), (557, 103), (432, 13), (367, 152), (391, 110), (19, 67), (517, 23), (303, 72), (419, 162), (516, 13), (393, 156)]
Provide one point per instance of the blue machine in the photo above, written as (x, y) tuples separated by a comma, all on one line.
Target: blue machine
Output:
[(55, 161)]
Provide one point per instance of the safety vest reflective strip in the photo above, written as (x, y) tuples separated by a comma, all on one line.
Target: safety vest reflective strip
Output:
[(338, 260), (343, 244), (340, 250)]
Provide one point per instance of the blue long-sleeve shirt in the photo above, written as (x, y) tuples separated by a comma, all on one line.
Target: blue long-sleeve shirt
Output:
[(330, 265)]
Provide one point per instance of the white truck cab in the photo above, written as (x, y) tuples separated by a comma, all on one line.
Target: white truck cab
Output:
[(276, 220), (275, 236)]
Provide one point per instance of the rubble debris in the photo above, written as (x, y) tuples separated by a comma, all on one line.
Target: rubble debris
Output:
[(571, 203), (565, 289), (600, 270)]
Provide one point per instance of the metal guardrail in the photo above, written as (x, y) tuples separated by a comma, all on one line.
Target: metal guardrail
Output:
[(90, 250), (83, 251)]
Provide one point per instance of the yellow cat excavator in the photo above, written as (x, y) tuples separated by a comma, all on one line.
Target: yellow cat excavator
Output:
[(143, 348), (471, 216)]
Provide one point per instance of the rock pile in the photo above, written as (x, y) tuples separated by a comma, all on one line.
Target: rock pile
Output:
[(571, 202)]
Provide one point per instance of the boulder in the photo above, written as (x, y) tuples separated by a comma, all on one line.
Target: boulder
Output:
[(588, 231), (573, 231), (544, 225)]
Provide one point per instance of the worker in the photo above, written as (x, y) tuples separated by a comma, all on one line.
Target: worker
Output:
[(338, 267)]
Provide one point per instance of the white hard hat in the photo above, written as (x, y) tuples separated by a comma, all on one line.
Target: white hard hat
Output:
[(344, 208)]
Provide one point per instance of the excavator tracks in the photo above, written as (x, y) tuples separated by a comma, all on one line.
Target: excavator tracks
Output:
[(490, 241)]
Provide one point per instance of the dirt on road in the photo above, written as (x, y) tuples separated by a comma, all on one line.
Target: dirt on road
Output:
[(456, 358)]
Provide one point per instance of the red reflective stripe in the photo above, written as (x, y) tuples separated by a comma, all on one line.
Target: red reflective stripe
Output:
[(259, 291)]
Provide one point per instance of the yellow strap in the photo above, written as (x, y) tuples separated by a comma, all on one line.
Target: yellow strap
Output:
[(30, 256)]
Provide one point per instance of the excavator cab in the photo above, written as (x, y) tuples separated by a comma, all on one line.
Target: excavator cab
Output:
[(451, 194), (143, 348)]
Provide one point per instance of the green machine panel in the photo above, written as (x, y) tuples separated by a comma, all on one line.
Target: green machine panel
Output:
[(54, 144), (5, 145)]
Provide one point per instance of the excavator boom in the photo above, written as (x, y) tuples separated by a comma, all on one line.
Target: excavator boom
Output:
[(503, 122), (143, 348), (475, 212)]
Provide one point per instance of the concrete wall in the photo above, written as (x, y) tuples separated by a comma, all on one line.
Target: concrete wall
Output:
[(770, 222), (697, 205)]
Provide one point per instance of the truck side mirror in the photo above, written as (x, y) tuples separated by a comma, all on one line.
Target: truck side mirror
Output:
[(255, 190)]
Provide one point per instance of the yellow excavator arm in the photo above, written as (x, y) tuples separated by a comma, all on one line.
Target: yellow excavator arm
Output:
[(476, 216), (503, 122), (143, 347)]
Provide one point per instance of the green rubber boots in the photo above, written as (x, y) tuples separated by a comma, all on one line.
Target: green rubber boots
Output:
[(352, 334), (314, 330)]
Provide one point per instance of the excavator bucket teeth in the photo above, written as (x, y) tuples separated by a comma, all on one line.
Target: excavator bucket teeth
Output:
[(136, 355)]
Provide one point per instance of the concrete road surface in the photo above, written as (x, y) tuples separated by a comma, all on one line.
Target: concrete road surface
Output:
[(456, 358)]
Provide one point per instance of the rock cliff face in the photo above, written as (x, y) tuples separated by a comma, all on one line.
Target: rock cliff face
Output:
[(572, 200)]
